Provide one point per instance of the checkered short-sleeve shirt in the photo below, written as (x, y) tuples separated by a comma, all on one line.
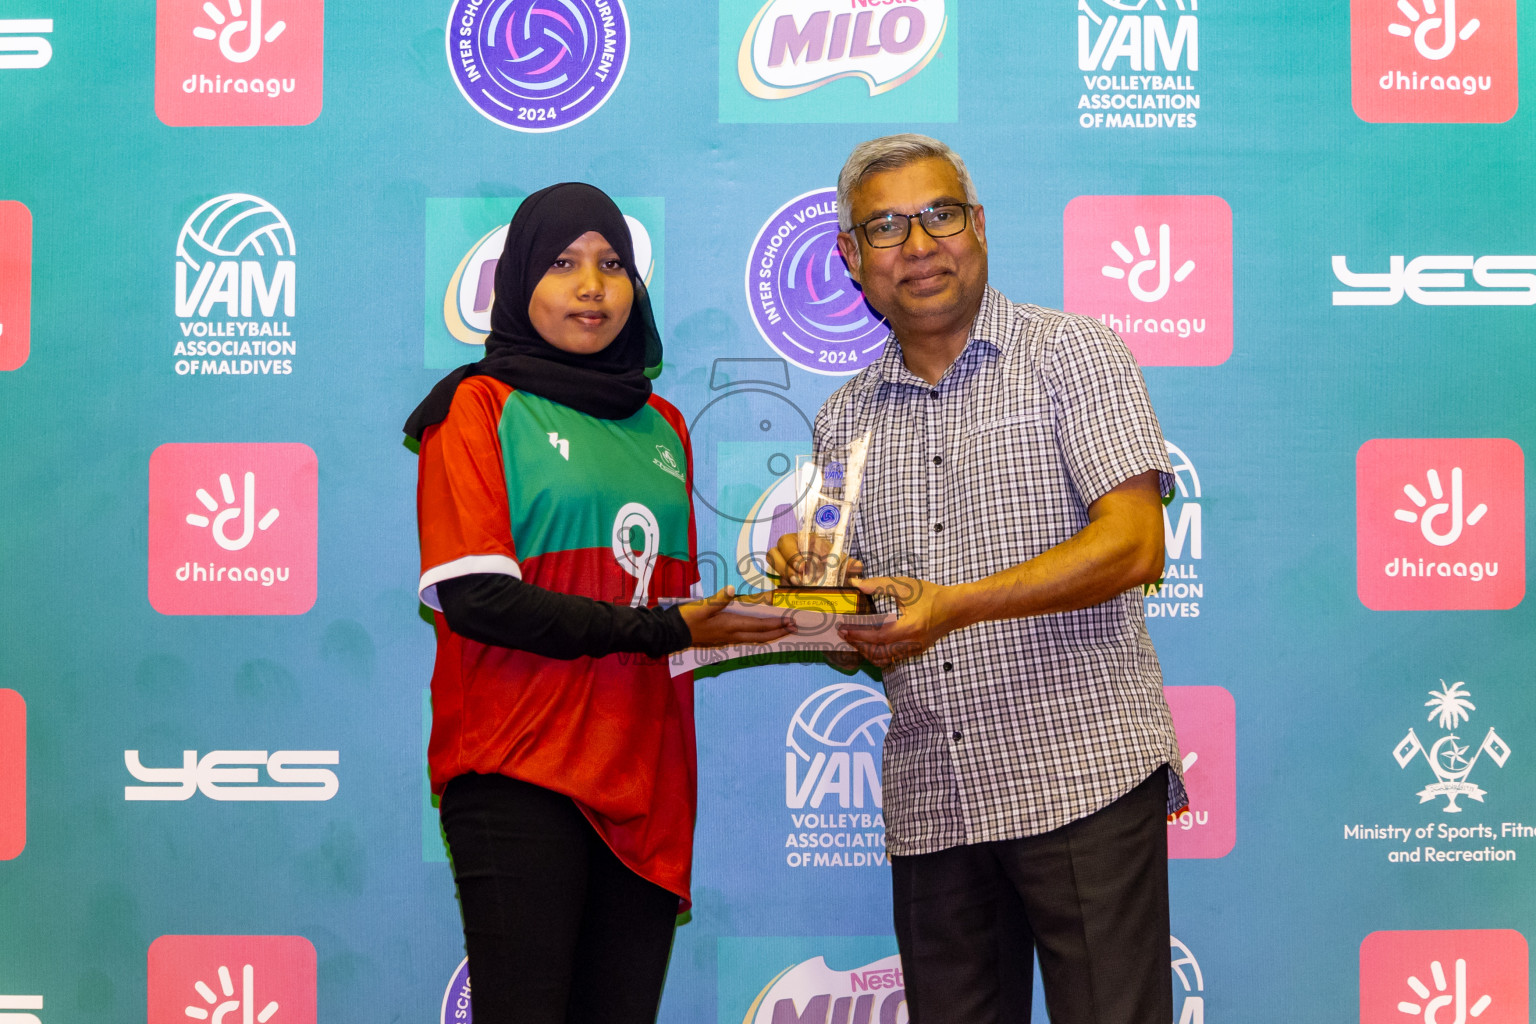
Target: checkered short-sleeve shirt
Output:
[(1010, 728)]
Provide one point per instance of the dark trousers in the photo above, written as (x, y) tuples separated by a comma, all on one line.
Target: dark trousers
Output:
[(1091, 898), (558, 929)]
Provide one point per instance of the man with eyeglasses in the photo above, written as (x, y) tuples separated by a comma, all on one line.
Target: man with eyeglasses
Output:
[(1011, 510)]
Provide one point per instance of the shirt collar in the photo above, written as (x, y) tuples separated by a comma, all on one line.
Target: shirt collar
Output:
[(991, 327)]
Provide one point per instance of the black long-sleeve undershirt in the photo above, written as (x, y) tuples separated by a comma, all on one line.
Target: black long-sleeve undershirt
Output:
[(492, 608)]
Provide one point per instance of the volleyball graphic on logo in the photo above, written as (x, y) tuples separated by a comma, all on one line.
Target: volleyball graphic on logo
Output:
[(840, 716), (537, 65), (231, 226), (827, 516)]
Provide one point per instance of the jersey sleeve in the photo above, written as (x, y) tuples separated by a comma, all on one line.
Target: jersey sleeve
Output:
[(1105, 422), (461, 492)]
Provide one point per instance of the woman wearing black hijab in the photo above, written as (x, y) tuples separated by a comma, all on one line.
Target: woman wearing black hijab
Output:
[(553, 504)]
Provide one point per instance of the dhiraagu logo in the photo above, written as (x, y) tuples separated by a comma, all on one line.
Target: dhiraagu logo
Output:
[(837, 61), (464, 242)]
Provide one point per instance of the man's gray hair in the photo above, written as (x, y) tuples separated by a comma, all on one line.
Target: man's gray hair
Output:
[(887, 154)]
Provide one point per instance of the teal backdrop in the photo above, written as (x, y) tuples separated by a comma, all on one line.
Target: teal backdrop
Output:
[(220, 268)]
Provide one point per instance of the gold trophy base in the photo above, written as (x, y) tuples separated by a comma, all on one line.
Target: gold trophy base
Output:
[(830, 600)]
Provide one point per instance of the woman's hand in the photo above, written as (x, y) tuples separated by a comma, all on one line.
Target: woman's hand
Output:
[(711, 625)]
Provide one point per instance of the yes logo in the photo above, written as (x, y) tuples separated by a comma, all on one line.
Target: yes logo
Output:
[(239, 62), (1439, 977), (828, 60), (254, 979), (232, 775), (15, 284), (1157, 270), (1205, 719), (233, 529), (1434, 60), (1440, 523), (22, 46), (13, 775)]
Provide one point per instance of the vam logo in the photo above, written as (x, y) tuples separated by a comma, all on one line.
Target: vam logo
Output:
[(235, 775), (800, 295), (1157, 270), (1440, 281), (537, 65), (1434, 60), (236, 288), (22, 43), (1205, 719), (1447, 757), (465, 238), (842, 61), (209, 502), (10, 1007), (239, 62), (832, 778), (1188, 984), (1180, 590), (15, 284), (1161, 47), (813, 993), (1442, 976), (13, 777), (1440, 523), (255, 979)]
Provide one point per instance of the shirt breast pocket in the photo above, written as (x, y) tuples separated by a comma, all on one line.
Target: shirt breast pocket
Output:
[(1009, 483)]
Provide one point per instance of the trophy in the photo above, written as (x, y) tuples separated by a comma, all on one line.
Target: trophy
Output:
[(827, 494)]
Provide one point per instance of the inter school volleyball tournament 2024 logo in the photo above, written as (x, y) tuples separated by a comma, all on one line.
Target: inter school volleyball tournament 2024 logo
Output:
[(1157, 270), (802, 300), (1137, 59), (233, 529), (1445, 977), (239, 62), (1205, 719), (537, 65), (254, 979), (1440, 523), (464, 242), (236, 289), (15, 284), (1434, 60), (791, 52)]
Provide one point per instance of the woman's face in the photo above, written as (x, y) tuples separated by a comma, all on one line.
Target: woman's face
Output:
[(582, 301)]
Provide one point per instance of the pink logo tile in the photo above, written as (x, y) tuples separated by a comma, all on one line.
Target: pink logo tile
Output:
[(15, 284), (239, 62), (1444, 976), (1157, 270), (1440, 523), (265, 979), (13, 774), (1434, 60), (233, 529), (1205, 720)]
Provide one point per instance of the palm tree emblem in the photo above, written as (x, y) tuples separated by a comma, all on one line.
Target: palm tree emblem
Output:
[(1450, 704)]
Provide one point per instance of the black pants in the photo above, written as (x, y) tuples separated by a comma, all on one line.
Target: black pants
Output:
[(558, 929), (1090, 897)]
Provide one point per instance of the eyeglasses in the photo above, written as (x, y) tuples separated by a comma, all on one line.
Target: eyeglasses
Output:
[(891, 229)]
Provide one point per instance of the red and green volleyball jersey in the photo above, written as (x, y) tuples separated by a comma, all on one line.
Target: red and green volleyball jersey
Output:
[(517, 484)]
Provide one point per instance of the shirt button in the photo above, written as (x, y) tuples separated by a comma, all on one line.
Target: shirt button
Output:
[(955, 736), (938, 460), (949, 667), (938, 527), (933, 394)]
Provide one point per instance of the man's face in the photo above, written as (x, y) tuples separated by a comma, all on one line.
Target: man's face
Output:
[(924, 284)]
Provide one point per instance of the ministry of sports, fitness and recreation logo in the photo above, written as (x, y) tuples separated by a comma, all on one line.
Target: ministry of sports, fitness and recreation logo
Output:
[(837, 60), (1434, 60), (1439, 977), (537, 65), (802, 300), (1450, 757), (456, 1003), (1440, 523), (13, 774), (464, 242), (236, 289), (15, 284), (1137, 60), (261, 979)]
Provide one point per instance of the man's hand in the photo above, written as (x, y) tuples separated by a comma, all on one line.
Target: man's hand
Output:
[(711, 625), (793, 568), (925, 614)]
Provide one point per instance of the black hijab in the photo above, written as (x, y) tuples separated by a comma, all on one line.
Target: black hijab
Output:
[(611, 384)]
